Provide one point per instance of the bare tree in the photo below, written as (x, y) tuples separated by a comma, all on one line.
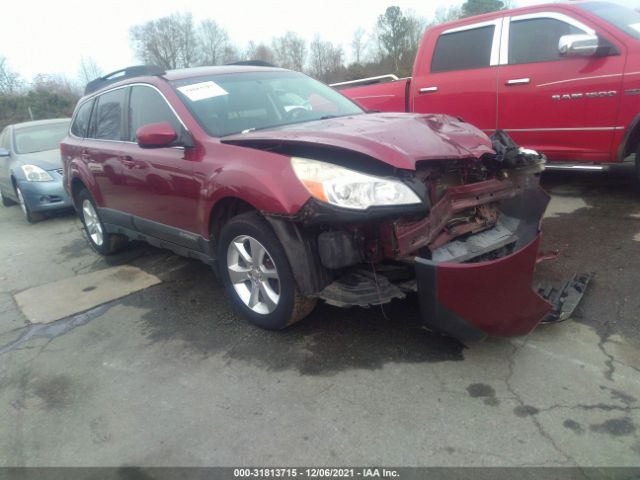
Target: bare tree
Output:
[(214, 43), (260, 52), (88, 70), (231, 54), (55, 84), (169, 42), (358, 44), (10, 81), (290, 51), (325, 59)]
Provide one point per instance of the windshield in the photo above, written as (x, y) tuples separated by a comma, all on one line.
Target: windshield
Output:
[(621, 17), (242, 102), (39, 138)]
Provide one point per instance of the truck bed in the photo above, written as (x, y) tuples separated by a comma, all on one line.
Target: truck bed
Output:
[(385, 97)]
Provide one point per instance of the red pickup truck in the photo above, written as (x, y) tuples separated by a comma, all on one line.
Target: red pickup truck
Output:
[(563, 79)]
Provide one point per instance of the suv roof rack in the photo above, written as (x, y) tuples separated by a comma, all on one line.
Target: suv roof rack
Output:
[(129, 72)]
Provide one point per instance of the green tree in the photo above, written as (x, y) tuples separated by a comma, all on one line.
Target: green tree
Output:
[(393, 31), (478, 7)]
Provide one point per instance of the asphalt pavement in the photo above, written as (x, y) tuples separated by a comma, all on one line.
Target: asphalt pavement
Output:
[(170, 376)]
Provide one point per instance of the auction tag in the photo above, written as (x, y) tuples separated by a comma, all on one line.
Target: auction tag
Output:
[(635, 26), (202, 90)]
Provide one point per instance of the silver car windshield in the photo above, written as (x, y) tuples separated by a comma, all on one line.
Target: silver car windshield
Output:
[(39, 138), (242, 102)]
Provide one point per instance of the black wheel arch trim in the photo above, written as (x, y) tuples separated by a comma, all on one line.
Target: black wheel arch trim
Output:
[(301, 248), (630, 141)]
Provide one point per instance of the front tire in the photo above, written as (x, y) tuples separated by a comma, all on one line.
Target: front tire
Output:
[(256, 274), (7, 202), (100, 240), (30, 216)]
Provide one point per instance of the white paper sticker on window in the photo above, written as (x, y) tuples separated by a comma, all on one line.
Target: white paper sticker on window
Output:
[(202, 90), (635, 26)]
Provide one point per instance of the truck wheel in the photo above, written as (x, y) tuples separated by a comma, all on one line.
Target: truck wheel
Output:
[(256, 274), (100, 240), (638, 164), (30, 216)]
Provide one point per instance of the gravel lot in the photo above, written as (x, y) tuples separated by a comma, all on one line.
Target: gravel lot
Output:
[(169, 375)]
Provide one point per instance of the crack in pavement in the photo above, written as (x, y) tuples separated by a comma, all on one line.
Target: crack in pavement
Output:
[(598, 406), (604, 338), (523, 404), (55, 329)]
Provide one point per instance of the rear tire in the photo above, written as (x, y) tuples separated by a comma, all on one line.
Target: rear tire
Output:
[(256, 274), (30, 216), (100, 240)]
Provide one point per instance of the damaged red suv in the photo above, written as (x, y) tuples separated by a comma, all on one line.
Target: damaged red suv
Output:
[(294, 193)]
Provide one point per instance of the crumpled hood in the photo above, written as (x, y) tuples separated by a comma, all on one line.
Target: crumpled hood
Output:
[(47, 159), (398, 139)]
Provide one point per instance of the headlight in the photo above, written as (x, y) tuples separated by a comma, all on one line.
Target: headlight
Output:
[(35, 174), (350, 189)]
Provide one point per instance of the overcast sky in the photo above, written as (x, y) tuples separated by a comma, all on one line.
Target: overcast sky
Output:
[(52, 36)]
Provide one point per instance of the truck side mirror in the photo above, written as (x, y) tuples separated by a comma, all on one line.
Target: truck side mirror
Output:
[(579, 45)]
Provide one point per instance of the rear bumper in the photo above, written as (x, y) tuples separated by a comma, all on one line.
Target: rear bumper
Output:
[(472, 301)]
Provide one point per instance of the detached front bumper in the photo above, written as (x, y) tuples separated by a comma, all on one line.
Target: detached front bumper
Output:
[(472, 301)]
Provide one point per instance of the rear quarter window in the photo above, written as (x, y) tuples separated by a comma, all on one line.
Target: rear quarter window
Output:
[(464, 50), (80, 123)]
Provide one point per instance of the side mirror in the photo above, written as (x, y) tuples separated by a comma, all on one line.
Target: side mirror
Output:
[(156, 135), (4, 152), (579, 45)]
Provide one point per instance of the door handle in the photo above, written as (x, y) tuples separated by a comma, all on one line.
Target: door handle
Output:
[(84, 155), (428, 89), (518, 81)]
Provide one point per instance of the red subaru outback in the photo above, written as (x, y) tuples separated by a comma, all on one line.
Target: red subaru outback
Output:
[(294, 193)]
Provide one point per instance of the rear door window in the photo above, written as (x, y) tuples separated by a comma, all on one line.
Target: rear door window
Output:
[(108, 115), (147, 106), (463, 50)]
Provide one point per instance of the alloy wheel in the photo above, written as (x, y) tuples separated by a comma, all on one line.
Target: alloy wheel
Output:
[(23, 205), (253, 274), (92, 223)]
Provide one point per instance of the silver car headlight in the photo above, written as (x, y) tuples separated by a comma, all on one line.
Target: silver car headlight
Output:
[(36, 174), (350, 189)]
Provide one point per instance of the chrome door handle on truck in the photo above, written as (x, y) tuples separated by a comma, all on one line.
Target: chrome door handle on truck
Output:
[(428, 89), (519, 81)]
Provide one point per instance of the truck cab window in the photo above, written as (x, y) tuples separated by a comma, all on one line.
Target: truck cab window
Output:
[(463, 50), (536, 40), (147, 106)]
